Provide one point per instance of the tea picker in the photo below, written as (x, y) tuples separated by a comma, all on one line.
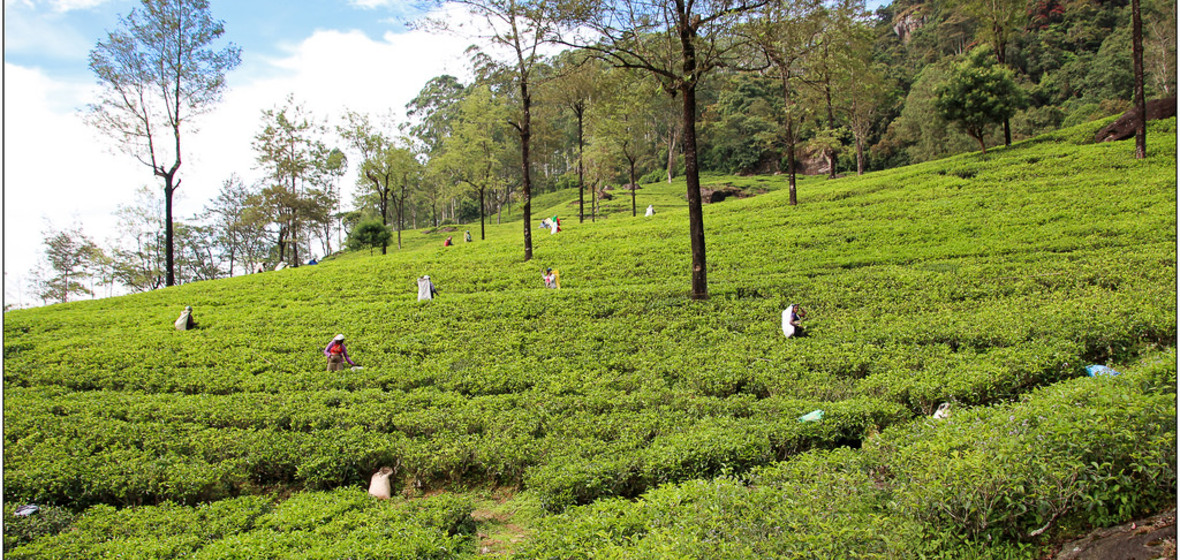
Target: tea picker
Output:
[(552, 279), (337, 354), (379, 485), (185, 321), (426, 289), (791, 316)]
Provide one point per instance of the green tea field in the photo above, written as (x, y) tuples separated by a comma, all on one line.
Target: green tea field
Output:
[(617, 418)]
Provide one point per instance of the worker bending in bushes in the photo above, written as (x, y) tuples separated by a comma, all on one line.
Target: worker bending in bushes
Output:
[(791, 316), (552, 279), (337, 354), (185, 321)]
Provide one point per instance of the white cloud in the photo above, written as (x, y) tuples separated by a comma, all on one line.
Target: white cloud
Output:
[(328, 72), (70, 5), (373, 4), (58, 168), (28, 31), (55, 169)]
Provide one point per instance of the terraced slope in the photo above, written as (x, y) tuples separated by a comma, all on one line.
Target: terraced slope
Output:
[(973, 280)]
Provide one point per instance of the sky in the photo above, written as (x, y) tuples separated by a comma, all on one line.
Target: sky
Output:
[(58, 172)]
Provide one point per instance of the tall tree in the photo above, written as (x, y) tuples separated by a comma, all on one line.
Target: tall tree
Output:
[(405, 172), (623, 122), (785, 35), (473, 155), (521, 26), (977, 94), (867, 90), (999, 22), (157, 72), (433, 110), (372, 142), (576, 86), (195, 258), (335, 166), (227, 213), (70, 255), (677, 42), (138, 254), (291, 150)]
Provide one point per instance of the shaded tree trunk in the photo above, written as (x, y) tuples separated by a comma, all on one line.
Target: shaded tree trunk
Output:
[(580, 110), (527, 185), (169, 188), (860, 155), (1140, 102), (791, 141), (634, 186), (696, 224)]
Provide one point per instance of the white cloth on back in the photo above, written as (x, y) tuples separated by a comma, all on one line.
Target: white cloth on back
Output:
[(182, 323), (424, 288), (788, 328), (379, 485)]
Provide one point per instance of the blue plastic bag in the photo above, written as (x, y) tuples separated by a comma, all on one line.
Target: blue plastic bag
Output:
[(813, 416), (1096, 370)]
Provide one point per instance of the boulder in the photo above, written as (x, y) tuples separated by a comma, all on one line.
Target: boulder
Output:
[(1124, 127), (1145, 539)]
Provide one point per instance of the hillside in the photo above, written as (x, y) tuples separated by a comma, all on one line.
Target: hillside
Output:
[(988, 282)]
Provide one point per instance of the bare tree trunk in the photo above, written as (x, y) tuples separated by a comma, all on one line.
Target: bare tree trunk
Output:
[(581, 180), (527, 185), (1140, 102), (860, 155), (169, 188), (696, 223), (791, 163), (673, 137), (634, 186)]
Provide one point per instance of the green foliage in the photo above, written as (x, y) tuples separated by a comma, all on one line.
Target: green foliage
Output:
[(339, 524), (742, 128), (369, 234), (979, 93), (983, 484), (21, 530), (973, 280)]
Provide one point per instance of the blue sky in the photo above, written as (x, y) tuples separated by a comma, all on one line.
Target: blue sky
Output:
[(331, 54), (55, 36)]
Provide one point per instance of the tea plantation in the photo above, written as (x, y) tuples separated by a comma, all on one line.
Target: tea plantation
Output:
[(615, 417)]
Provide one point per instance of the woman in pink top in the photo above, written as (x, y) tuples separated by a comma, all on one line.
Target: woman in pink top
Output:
[(337, 354)]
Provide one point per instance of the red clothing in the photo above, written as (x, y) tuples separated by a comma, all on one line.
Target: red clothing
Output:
[(338, 349)]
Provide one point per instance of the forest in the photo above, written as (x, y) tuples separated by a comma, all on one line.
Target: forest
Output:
[(811, 89)]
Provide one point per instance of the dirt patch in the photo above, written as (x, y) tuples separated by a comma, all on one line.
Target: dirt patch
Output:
[(1145, 539), (498, 534)]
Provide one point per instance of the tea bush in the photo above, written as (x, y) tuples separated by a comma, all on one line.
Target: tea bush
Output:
[(991, 482), (337, 524), (974, 280)]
